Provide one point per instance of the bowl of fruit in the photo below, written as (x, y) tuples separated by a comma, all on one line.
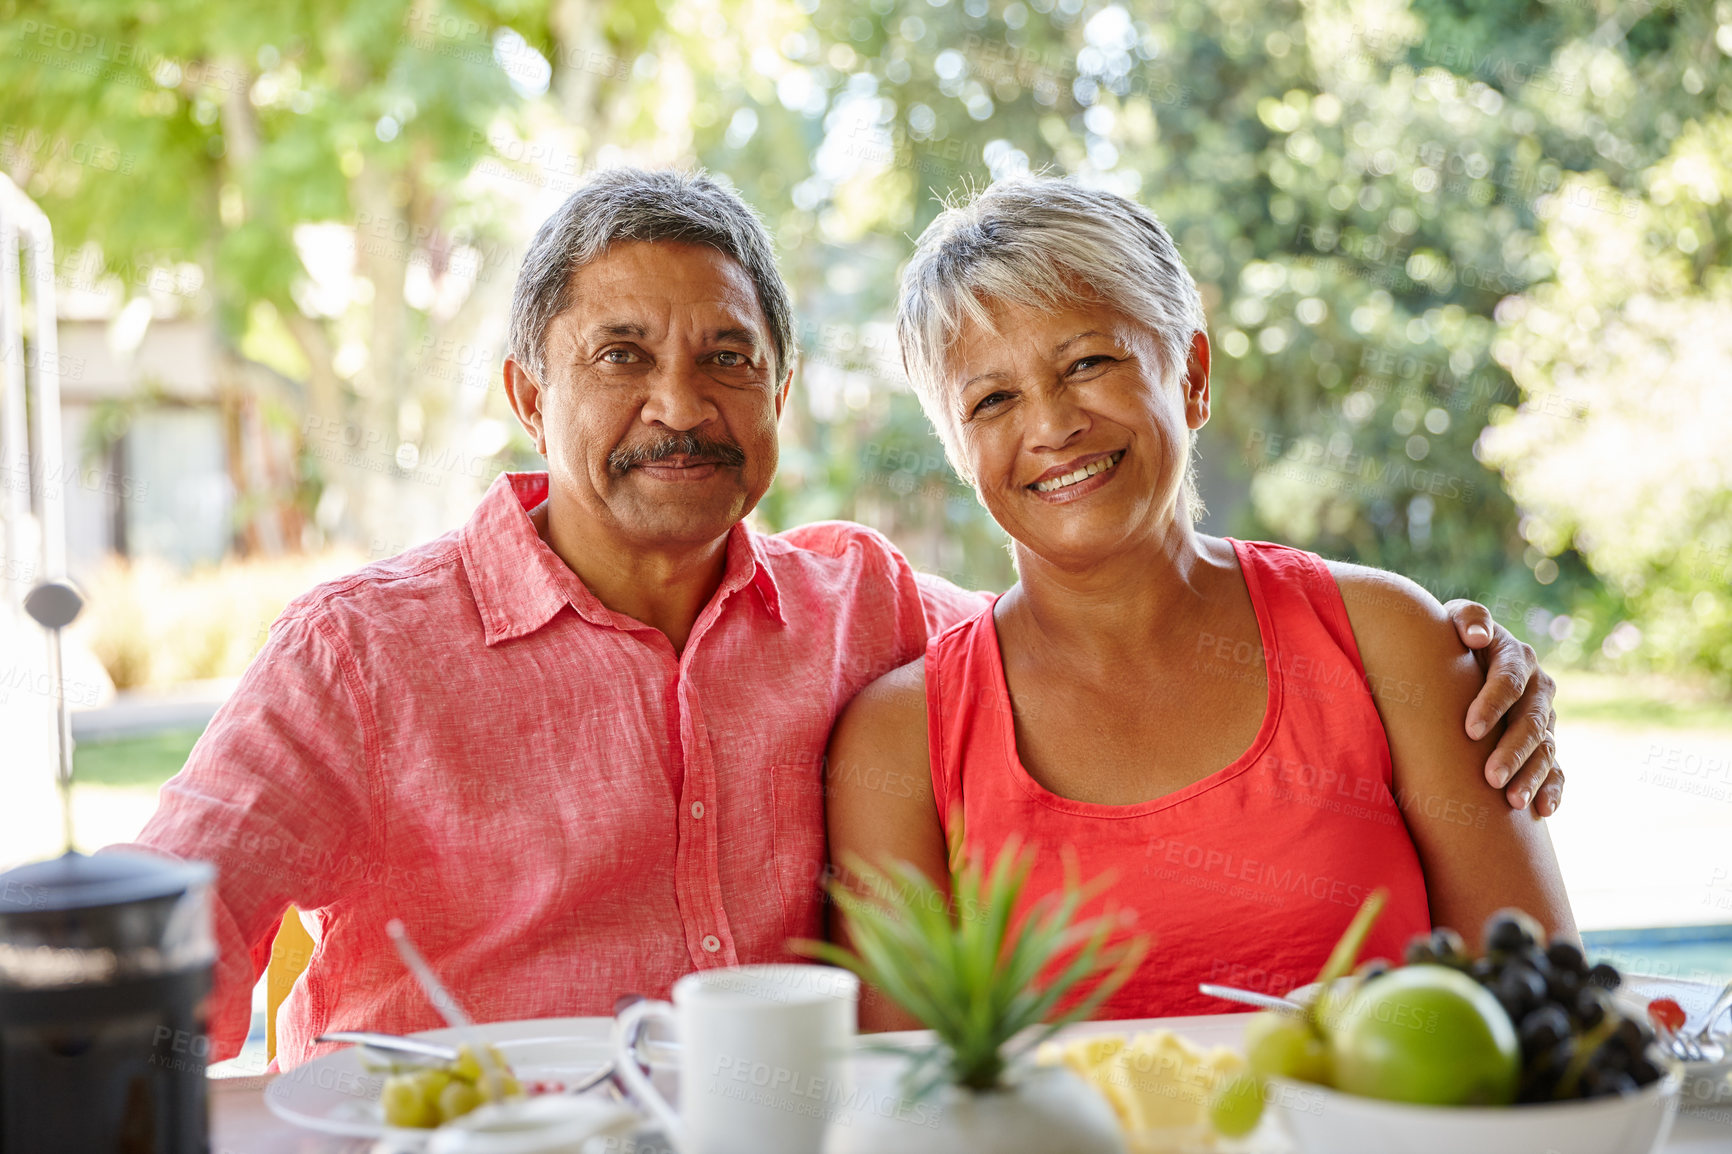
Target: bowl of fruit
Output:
[(1518, 1050)]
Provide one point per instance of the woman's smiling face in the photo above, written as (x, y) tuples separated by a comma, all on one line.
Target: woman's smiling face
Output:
[(1076, 440)]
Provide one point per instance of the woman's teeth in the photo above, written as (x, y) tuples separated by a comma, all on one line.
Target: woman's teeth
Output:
[(1081, 474)]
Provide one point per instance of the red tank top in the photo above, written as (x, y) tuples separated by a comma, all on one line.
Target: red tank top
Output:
[(1245, 878)]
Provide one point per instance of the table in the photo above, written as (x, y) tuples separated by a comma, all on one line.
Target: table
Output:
[(242, 1124)]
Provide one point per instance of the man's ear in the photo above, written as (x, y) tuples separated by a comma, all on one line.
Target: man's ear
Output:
[(524, 392), (1197, 382), (782, 393)]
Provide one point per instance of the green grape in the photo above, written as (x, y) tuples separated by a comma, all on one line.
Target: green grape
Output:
[(406, 1104), (468, 1066), (1237, 1106), (457, 1099), (498, 1087), (1281, 1045)]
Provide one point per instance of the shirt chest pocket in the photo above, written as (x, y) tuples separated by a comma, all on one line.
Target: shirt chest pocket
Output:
[(799, 846)]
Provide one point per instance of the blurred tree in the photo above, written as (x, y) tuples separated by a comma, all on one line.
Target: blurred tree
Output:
[(1627, 348), (1356, 184), (312, 162)]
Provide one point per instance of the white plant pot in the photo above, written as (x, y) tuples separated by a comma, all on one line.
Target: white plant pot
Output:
[(1046, 1109)]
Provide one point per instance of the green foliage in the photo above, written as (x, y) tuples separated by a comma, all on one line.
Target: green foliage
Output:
[(971, 966), (1370, 194)]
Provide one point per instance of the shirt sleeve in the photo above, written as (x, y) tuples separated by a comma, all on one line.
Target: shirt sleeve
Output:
[(946, 604), (275, 795)]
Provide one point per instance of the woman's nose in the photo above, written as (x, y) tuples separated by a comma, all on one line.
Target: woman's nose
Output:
[(1054, 420)]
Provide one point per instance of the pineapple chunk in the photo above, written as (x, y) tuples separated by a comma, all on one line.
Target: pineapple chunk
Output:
[(1156, 1081)]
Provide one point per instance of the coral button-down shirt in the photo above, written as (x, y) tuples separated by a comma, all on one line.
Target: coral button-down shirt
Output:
[(559, 807)]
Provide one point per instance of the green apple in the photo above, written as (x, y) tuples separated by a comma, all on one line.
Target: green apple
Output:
[(1428, 1035), (1283, 1045)]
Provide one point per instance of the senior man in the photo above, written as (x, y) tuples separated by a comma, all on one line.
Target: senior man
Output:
[(577, 744)]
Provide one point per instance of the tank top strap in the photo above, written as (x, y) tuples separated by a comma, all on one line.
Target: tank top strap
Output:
[(1296, 593), (967, 708)]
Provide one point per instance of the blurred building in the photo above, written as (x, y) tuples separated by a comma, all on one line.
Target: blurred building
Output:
[(146, 460)]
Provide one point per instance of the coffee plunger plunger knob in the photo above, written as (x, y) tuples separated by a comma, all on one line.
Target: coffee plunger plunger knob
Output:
[(54, 605)]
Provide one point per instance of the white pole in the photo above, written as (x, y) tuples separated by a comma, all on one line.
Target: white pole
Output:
[(50, 449)]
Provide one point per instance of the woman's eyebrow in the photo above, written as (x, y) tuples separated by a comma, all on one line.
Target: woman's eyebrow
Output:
[(1069, 341)]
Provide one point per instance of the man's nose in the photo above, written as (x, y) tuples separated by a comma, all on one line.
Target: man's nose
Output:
[(677, 398)]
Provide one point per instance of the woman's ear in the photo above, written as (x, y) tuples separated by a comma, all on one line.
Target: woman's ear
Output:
[(1197, 382)]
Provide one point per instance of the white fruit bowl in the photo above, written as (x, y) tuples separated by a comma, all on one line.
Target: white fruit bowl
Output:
[(1324, 1121)]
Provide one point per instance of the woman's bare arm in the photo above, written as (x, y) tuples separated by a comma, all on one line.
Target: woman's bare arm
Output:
[(1478, 854), (878, 802)]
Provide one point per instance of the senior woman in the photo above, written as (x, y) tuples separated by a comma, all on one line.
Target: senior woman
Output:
[(1246, 738)]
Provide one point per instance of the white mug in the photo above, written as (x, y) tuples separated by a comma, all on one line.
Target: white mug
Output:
[(763, 1057)]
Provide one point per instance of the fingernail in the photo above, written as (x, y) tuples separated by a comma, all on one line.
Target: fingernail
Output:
[(1477, 633), (1522, 799), (1476, 729)]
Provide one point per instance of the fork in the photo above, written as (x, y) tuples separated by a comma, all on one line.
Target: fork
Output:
[(1706, 1047), (1681, 1045)]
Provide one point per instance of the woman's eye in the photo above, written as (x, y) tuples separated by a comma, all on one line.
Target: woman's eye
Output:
[(991, 400), (1088, 363)]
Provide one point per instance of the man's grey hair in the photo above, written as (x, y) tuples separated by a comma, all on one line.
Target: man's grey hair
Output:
[(626, 204), (1041, 242)]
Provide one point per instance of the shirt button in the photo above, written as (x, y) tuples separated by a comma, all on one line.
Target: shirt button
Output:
[(712, 943), (697, 809)]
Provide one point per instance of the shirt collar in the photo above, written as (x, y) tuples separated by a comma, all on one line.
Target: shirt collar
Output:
[(520, 584)]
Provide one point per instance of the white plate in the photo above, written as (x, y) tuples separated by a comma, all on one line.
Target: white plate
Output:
[(1706, 1084), (334, 1095)]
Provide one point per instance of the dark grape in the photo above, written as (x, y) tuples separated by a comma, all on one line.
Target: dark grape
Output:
[(1520, 990), (1419, 951), (1592, 1006), (1644, 1070), (1605, 976), (1633, 1035), (1601, 1080), (1565, 956), (1535, 959), (1563, 985), (1484, 970), (1447, 945), (1509, 931), (1543, 1029)]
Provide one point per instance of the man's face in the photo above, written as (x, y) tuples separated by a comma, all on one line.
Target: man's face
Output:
[(658, 412)]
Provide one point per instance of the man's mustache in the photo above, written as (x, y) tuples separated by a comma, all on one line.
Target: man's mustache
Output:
[(696, 449)]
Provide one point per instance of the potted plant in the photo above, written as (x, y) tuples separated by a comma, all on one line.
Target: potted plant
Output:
[(992, 985)]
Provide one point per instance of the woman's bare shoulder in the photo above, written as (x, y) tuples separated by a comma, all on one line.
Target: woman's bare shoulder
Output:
[(887, 719)]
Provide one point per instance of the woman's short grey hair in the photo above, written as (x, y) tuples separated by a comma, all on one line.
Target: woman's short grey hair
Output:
[(1040, 242), (627, 204)]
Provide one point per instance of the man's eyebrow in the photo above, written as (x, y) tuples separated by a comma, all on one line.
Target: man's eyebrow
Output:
[(737, 335), (619, 329)]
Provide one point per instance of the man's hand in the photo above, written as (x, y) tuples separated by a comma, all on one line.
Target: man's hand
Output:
[(1525, 763)]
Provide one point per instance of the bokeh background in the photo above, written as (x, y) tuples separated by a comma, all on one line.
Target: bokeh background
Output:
[(1467, 266)]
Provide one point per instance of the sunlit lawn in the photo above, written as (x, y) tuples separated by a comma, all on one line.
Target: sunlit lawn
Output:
[(142, 763)]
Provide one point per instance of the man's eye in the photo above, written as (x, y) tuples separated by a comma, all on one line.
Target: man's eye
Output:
[(618, 356), (730, 360)]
